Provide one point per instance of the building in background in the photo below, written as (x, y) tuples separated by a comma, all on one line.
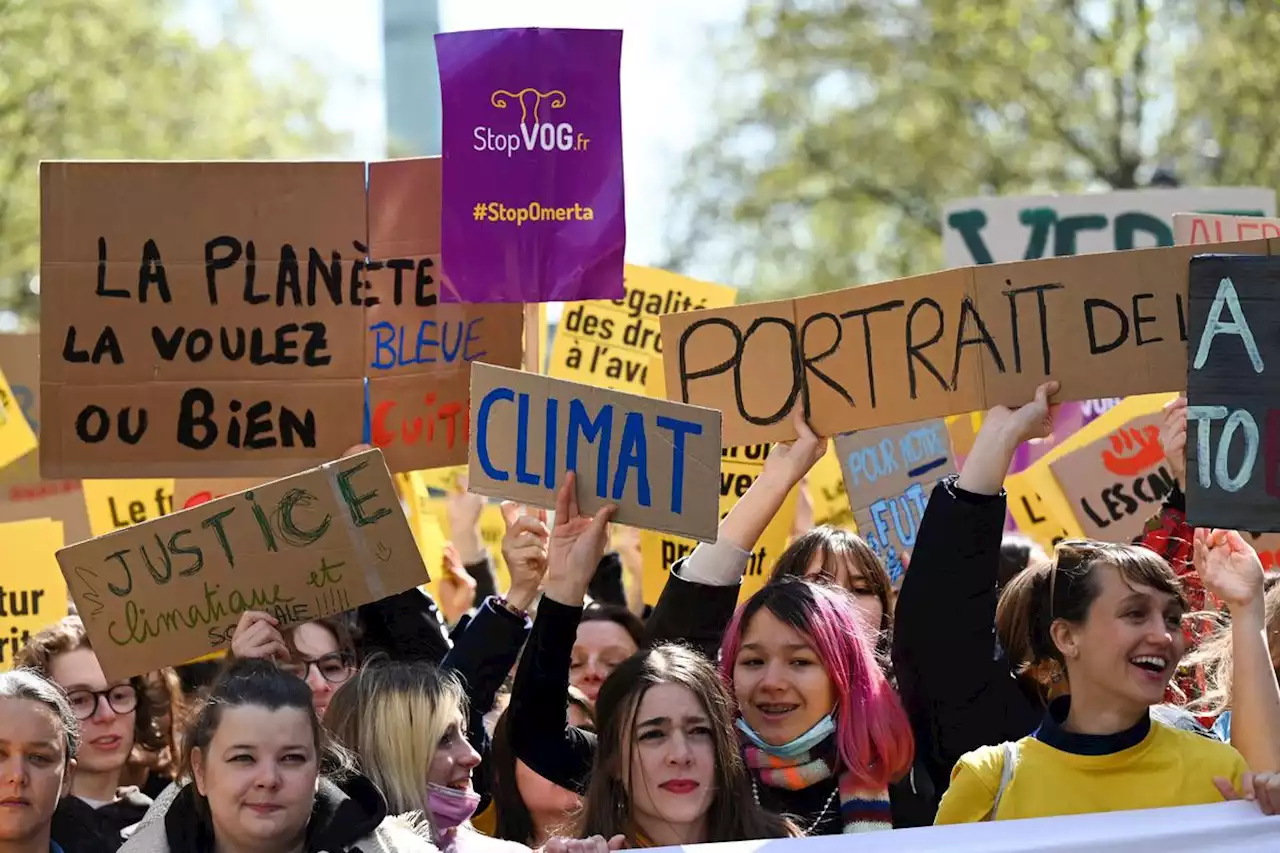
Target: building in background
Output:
[(412, 81)]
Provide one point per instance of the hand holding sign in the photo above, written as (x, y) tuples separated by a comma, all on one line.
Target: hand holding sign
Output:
[(258, 636), (1003, 429), (524, 548), (1261, 788), (1173, 435), (1230, 569), (576, 546)]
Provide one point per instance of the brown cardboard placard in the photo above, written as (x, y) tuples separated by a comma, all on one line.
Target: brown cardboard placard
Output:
[(889, 474), (23, 494), (1114, 484), (1198, 229), (963, 340), (311, 545), (419, 352), (658, 461), (220, 319), (189, 493)]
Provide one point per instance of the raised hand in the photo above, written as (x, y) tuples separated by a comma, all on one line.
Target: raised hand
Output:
[(1261, 788), (257, 635), (1003, 429), (1173, 435), (576, 545), (524, 548), (457, 588), (1229, 568), (1033, 420), (789, 461)]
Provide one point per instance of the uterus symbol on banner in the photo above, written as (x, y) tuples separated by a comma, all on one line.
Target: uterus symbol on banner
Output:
[(535, 133)]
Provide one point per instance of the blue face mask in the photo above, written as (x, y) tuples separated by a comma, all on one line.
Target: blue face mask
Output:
[(821, 730)]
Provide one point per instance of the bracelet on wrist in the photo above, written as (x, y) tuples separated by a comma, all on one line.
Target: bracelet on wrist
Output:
[(502, 602)]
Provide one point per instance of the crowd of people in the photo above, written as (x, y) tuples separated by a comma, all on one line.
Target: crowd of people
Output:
[(997, 683)]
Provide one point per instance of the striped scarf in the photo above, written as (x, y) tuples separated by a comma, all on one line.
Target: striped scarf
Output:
[(861, 809)]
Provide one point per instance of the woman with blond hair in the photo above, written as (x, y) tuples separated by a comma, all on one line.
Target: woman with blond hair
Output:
[(399, 718)]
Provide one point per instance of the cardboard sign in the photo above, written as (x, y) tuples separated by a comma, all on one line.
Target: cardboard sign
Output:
[(614, 343), (1198, 229), (658, 461), (33, 594), (311, 545), (1114, 484), (1268, 547), (418, 351), (996, 229), (189, 493), (739, 468), (889, 474), (532, 141), (1233, 393), (948, 343), (16, 437), (220, 319)]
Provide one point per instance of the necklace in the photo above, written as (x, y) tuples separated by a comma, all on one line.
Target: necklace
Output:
[(755, 793)]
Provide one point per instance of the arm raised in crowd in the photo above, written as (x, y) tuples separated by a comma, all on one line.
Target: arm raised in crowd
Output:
[(1231, 570), (542, 737), (954, 680), (698, 601)]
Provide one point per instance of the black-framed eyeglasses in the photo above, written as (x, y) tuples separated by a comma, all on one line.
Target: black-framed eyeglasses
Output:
[(334, 668), (84, 703)]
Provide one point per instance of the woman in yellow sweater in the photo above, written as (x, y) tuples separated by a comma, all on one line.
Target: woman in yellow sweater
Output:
[(1110, 616)]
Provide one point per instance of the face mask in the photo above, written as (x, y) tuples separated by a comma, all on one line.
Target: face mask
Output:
[(450, 807), (821, 730)]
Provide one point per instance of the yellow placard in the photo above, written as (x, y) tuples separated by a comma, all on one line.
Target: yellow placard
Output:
[(33, 593), (739, 468), (617, 343), (113, 504), (492, 525), (827, 493), (1040, 509), (16, 436)]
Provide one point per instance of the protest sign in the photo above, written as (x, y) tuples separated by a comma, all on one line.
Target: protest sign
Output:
[(1234, 827), (889, 474), (1105, 325), (532, 141), (115, 504), (996, 229), (16, 436), (1040, 509), (200, 319), (419, 352), (530, 429), (189, 493), (614, 343), (1114, 484), (739, 469), (171, 589), (1268, 547), (1233, 417), (1198, 229), (827, 494), (33, 594), (23, 495)]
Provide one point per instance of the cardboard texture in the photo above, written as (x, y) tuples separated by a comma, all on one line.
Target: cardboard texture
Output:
[(657, 461), (219, 319), (1036, 502), (1198, 229), (1233, 385), (311, 545), (419, 353), (996, 229), (617, 343), (739, 468), (23, 495), (33, 594), (942, 344), (889, 474), (1114, 484)]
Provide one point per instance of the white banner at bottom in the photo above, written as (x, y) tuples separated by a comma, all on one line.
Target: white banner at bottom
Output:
[(1237, 827)]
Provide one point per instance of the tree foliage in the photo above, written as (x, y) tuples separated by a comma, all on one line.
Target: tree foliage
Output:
[(119, 79), (843, 126)]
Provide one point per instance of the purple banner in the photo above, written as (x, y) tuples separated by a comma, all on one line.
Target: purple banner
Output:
[(533, 207)]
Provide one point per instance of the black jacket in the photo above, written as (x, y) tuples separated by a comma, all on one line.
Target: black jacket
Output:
[(78, 826)]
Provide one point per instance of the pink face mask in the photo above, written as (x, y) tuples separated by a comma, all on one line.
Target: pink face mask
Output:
[(451, 807)]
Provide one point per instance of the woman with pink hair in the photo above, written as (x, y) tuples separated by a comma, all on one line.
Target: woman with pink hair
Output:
[(821, 728)]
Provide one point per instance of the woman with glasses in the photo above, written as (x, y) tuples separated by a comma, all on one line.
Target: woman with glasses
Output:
[(320, 652), (114, 716)]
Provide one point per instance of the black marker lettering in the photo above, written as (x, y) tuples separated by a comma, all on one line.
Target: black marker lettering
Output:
[(865, 314), (1039, 290), (914, 352), (1139, 320), (968, 309), (213, 263), (102, 274), (808, 363), (1094, 347)]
